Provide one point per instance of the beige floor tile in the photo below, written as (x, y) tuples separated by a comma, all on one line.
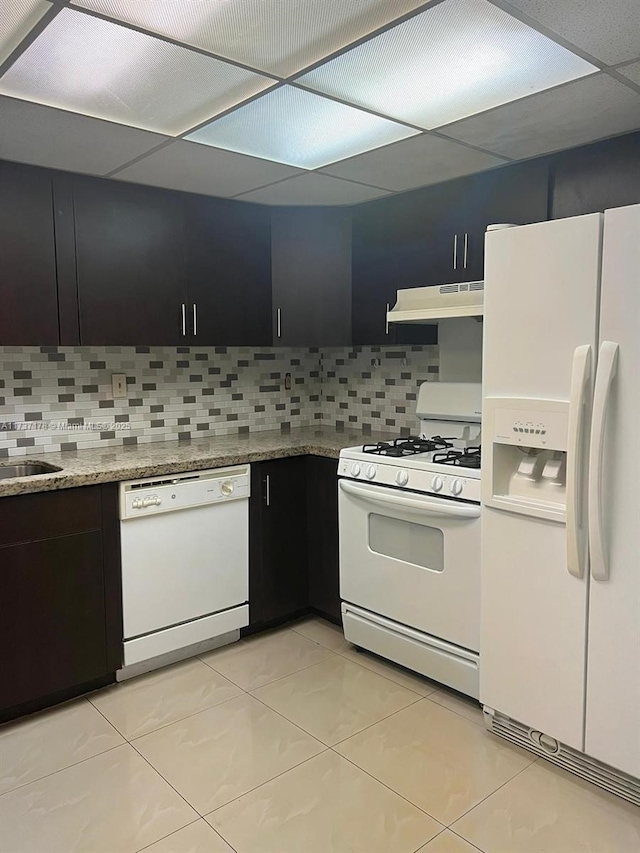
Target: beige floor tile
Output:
[(323, 806), (323, 632), (148, 702), (548, 810), (463, 705), (435, 758), (112, 803), (262, 659), (390, 670), (198, 837), (335, 699), (223, 752), (37, 746), (446, 842)]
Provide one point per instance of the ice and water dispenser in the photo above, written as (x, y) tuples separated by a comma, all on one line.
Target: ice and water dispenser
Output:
[(525, 450)]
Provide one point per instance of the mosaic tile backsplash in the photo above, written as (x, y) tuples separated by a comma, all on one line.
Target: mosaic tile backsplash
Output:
[(60, 398)]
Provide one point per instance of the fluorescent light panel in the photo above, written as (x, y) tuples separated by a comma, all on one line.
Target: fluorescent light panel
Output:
[(17, 18), (454, 60), (86, 65), (280, 36), (300, 129)]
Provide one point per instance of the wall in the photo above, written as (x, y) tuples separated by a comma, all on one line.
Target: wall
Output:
[(460, 344), (61, 399)]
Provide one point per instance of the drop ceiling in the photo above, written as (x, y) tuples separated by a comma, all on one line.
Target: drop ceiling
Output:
[(313, 101)]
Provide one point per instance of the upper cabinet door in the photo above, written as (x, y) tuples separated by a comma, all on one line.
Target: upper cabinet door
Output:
[(228, 272), (130, 264), (28, 287), (517, 194), (596, 177), (311, 269)]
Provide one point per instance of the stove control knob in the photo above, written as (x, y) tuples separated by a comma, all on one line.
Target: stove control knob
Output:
[(456, 487), (355, 469), (402, 477), (437, 484), (371, 472)]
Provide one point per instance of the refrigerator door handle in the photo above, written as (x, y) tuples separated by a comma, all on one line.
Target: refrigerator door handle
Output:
[(580, 376), (607, 369)]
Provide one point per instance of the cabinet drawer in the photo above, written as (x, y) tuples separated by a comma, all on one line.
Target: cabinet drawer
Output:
[(27, 518)]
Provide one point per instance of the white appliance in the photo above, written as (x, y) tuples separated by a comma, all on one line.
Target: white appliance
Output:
[(185, 563), (561, 493), (439, 302), (409, 515)]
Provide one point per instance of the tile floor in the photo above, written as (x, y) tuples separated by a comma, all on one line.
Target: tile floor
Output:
[(289, 742)]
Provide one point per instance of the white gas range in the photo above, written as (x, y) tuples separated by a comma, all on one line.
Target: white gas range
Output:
[(409, 514)]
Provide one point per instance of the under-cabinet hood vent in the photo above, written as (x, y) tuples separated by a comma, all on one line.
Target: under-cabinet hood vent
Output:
[(428, 304)]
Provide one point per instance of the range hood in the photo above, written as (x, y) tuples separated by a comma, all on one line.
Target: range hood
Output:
[(427, 304)]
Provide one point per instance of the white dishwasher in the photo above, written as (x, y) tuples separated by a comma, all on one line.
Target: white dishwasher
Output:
[(185, 564)]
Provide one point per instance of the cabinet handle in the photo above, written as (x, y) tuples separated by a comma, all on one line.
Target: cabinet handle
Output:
[(386, 320), (195, 319), (455, 251), (268, 490), (466, 246), (184, 320), (278, 323)]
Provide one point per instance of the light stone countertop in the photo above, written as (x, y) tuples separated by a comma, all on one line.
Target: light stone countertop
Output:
[(131, 462)]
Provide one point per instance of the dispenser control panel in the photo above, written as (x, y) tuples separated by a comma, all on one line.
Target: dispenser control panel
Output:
[(531, 428)]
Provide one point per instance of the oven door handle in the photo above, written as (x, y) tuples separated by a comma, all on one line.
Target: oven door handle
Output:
[(428, 506)]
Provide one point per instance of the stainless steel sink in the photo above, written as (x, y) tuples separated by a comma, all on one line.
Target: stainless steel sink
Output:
[(26, 469)]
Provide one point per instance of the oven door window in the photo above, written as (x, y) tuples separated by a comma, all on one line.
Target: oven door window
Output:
[(413, 543)]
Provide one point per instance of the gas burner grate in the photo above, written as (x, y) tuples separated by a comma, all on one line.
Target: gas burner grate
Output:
[(470, 457), (409, 446)]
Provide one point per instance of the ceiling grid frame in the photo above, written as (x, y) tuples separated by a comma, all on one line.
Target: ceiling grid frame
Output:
[(614, 72)]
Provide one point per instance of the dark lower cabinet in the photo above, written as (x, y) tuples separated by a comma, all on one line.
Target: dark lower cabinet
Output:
[(61, 625), (322, 536), (278, 585), (293, 540), (28, 284)]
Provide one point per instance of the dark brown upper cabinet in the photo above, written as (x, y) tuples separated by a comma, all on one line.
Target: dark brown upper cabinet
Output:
[(596, 177), (130, 264), (433, 236), (311, 276), (28, 282), (228, 246)]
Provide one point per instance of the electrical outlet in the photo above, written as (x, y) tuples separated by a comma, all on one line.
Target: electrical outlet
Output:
[(119, 385), (287, 382)]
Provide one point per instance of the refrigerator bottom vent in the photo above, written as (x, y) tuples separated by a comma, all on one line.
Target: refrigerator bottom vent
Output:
[(570, 759)]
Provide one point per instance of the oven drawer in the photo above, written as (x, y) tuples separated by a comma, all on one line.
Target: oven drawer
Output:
[(419, 652)]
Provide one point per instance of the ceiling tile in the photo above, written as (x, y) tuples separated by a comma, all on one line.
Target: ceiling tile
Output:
[(17, 19), (313, 189), (607, 29), (300, 129), (632, 72), (453, 60), (414, 162), (571, 115), (97, 68), (201, 169), (43, 136), (280, 36)]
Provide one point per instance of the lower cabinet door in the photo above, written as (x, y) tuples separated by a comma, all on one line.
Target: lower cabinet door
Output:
[(278, 579), (322, 533), (52, 630)]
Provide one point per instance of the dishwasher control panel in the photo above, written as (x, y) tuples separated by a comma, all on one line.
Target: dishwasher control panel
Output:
[(182, 491)]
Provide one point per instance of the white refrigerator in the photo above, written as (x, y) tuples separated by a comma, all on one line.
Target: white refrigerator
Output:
[(560, 614)]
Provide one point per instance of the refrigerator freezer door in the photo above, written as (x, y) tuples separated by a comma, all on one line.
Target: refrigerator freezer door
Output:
[(541, 297), (613, 667)]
